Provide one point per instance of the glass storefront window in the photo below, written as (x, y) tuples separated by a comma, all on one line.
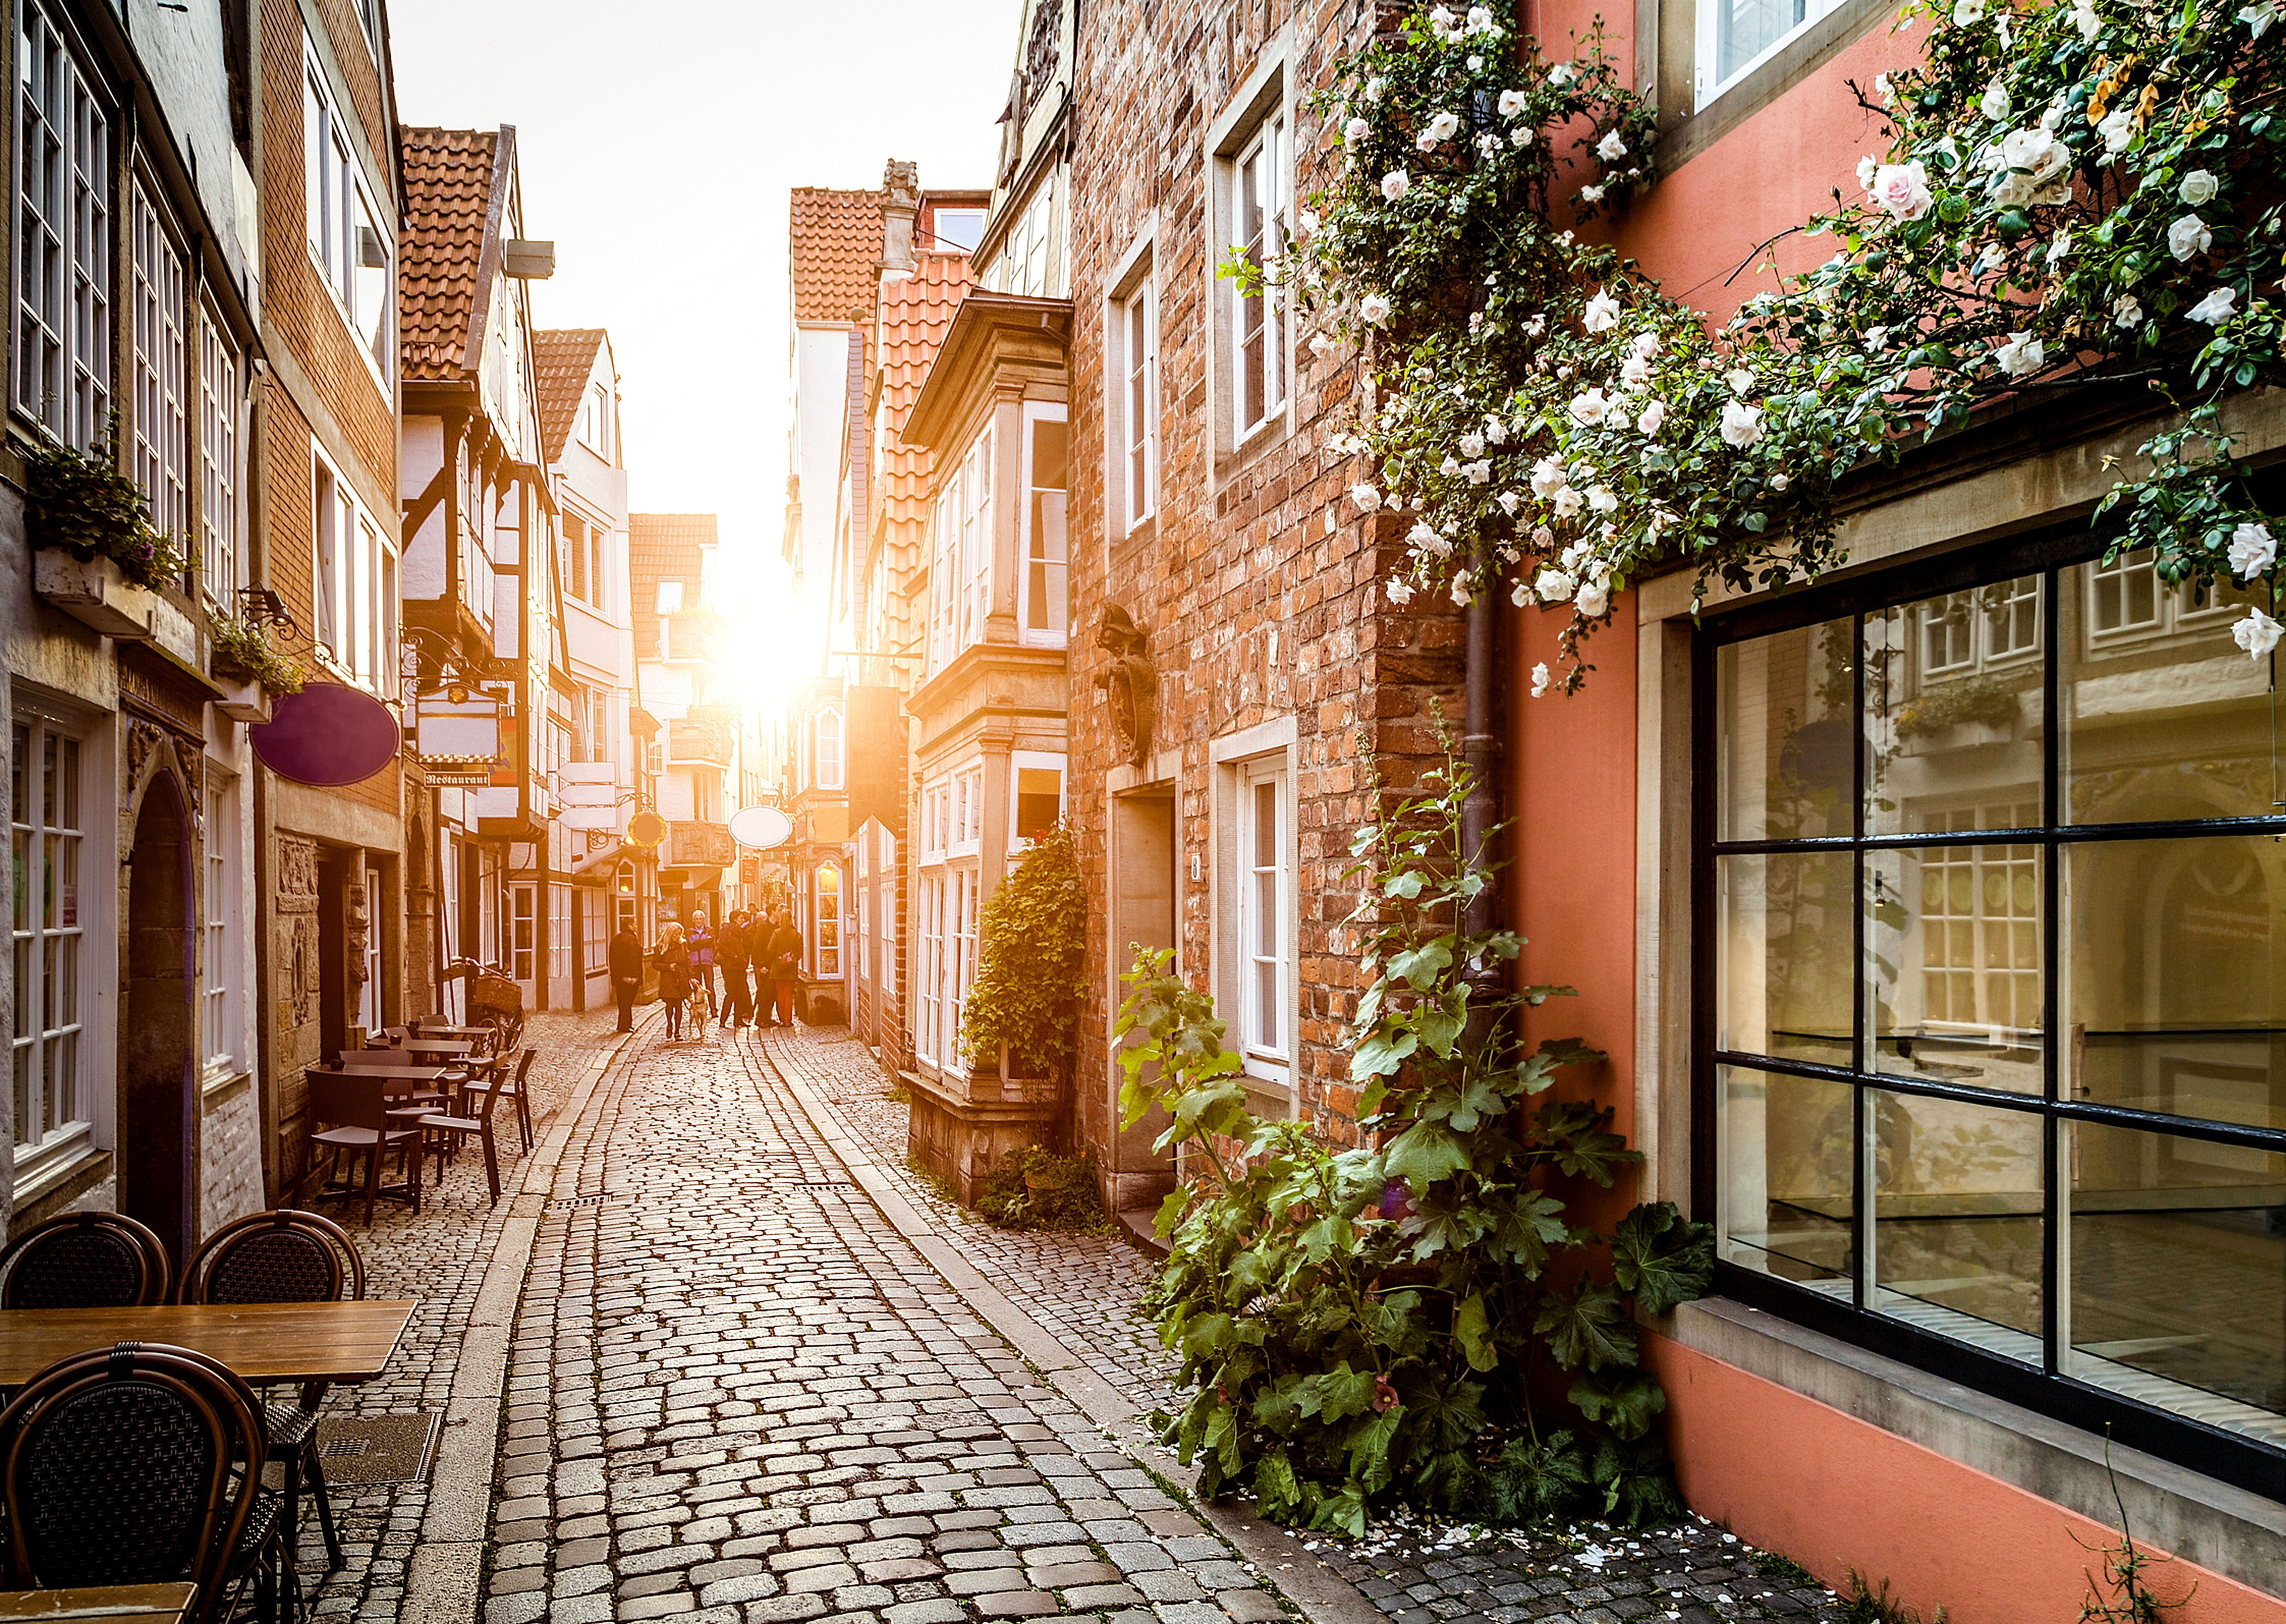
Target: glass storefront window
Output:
[(1996, 1052)]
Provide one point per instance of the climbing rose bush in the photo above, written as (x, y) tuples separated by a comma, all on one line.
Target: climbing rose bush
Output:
[(2071, 195)]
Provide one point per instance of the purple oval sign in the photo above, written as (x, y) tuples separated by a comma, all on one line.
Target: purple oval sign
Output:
[(326, 737)]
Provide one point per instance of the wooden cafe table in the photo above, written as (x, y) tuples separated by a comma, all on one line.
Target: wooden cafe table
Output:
[(347, 1343), (431, 1049), (99, 1605)]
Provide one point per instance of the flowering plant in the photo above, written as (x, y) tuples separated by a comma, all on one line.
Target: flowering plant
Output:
[(80, 502), (2072, 193), (242, 648)]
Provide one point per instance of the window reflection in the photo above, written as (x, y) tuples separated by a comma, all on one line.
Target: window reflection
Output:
[(1958, 1223), (1786, 950), (1787, 1201), (1952, 964), (1783, 739), (1953, 697)]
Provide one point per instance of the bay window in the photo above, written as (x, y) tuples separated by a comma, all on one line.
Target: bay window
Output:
[(1044, 616), (960, 555), (1994, 1050)]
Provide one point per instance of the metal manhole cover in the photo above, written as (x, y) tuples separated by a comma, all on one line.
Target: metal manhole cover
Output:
[(373, 1449)]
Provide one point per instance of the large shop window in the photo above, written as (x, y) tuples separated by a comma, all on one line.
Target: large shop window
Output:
[(63, 248), (1994, 1037), (50, 1053)]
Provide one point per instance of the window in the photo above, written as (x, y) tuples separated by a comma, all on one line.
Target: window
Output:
[(928, 984), (594, 930), (575, 557), (63, 248), (960, 563), (372, 1014), (353, 587), (368, 14), (218, 402), (1029, 261), (1260, 225), (595, 421), (346, 242), (829, 750), (161, 437), (1044, 616), (1995, 1037), (523, 902), (1265, 905), (825, 917), (44, 789), (1132, 406), (326, 583), (1738, 35), (956, 230), (1037, 785), (219, 1028), (559, 933)]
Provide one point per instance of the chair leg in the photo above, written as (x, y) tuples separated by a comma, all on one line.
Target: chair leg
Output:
[(316, 1468), (372, 1178), (524, 1112), (492, 1163)]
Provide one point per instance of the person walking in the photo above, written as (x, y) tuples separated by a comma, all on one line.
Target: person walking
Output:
[(783, 963), (626, 967), (700, 943), (673, 961), (735, 947)]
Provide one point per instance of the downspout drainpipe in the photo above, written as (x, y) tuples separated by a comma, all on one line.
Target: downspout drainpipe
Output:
[(1481, 750)]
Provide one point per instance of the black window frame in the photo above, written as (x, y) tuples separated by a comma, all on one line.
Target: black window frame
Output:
[(2212, 1452)]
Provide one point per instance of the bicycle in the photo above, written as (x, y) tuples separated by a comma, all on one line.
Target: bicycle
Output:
[(494, 1000)]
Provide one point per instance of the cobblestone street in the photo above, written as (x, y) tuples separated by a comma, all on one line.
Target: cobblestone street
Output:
[(736, 1391)]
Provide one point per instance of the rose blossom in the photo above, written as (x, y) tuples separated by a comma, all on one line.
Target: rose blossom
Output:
[(2258, 633), (1444, 125), (1395, 184), (1742, 424), (1612, 148), (1653, 416), (2199, 187), (1540, 679), (1366, 497), (2126, 311), (1592, 600), (2188, 237), (1373, 309), (2021, 356), (1399, 593), (1354, 133), (1590, 408), (1902, 190), (2252, 551), (2216, 308)]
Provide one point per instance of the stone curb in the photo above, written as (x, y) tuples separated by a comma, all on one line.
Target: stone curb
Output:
[(1311, 1586), (442, 1575)]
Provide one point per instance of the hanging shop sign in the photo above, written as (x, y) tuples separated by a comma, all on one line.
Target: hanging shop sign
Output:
[(327, 736), (760, 828), (646, 829)]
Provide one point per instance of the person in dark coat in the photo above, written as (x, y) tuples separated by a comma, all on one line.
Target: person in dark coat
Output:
[(733, 948), (626, 967), (676, 982), (783, 964)]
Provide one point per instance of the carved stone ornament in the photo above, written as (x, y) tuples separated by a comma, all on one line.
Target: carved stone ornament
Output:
[(358, 916), (1041, 53), (1132, 684)]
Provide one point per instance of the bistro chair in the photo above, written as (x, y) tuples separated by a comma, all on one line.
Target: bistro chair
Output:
[(445, 1133), (141, 1463), (357, 1113), (85, 1260), (519, 1093), (284, 1257)]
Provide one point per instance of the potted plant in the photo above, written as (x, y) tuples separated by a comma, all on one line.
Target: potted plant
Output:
[(97, 555), (249, 669)]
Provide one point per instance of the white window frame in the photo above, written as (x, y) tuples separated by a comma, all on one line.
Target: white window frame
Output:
[(40, 943), (159, 304), (353, 583), (595, 420), (1020, 761), (63, 143), (1270, 1049), (825, 955), (371, 1012), (1257, 122), (220, 905), (830, 743), (928, 976), (1130, 397), (523, 930), (220, 395), (338, 206), (1046, 552), (1709, 82)]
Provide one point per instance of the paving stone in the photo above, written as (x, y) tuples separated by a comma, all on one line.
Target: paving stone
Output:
[(1015, 1605)]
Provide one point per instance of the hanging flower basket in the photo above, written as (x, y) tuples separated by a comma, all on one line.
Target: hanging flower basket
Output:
[(243, 656), (242, 699), (81, 504)]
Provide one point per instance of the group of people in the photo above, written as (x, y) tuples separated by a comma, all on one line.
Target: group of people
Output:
[(686, 958)]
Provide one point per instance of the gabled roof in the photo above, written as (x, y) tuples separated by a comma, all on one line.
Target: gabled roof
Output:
[(915, 313), (836, 241), (667, 547), (564, 359), (452, 207)]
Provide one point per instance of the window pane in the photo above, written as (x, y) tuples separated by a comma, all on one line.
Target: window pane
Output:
[(1952, 964), (1783, 735), (1784, 939), (1786, 1207), (1745, 28), (2164, 717), (2176, 1252), (1039, 800), (1953, 692), (1958, 1246), (2176, 991)]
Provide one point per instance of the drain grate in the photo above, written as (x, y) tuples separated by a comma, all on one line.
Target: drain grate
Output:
[(364, 1450), (594, 1198)]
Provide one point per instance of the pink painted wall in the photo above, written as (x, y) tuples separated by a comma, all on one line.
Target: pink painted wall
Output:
[(1788, 1474)]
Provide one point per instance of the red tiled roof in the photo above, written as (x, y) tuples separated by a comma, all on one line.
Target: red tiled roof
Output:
[(836, 241), (915, 313), (666, 547), (564, 358), (448, 193)]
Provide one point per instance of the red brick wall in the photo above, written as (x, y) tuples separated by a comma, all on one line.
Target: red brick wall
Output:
[(1256, 606)]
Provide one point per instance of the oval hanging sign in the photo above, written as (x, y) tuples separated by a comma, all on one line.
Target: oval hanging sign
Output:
[(761, 827), (326, 737)]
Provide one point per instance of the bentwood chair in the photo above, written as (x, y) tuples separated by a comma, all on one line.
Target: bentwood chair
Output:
[(357, 1113), (519, 1093), (85, 1260), (141, 1463), (479, 1092), (284, 1257)]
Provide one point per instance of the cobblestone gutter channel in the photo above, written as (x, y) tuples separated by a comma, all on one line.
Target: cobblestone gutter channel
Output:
[(702, 1363)]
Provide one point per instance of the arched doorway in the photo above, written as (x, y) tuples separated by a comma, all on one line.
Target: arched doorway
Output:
[(156, 1179)]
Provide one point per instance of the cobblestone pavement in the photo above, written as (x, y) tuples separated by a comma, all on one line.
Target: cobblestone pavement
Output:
[(438, 1257)]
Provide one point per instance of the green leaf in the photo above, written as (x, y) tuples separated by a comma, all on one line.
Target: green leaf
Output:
[(1627, 1404), (1589, 1328), (1662, 1257), (1474, 1333), (1424, 1154)]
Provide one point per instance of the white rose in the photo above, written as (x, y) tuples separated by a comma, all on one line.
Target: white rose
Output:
[(1495, 432), (2126, 311), (1373, 309), (1510, 501), (2258, 633), (1472, 445), (1739, 379), (2084, 18), (1602, 312), (1399, 593), (2118, 129), (1967, 13), (1521, 135), (1395, 184), (2252, 551), (2021, 356), (1511, 103), (1653, 416), (1867, 168), (1449, 467), (1548, 477), (1354, 133), (2258, 18), (1320, 344), (2199, 187), (1553, 586), (1995, 105), (1424, 142), (1475, 63), (1445, 125), (1589, 408), (2061, 247), (1487, 145), (1612, 148), (1902, 190), (1635, 372), (1366, 497), (1540, 679), (2217, 307), (1373, 88), (2188, 237), (1592, 600), (1427, 539), (1562, 74), (1591, 194), (1479, 472), (1742, 424), (1877, 339), (1568, 504), (1645, 343), (1778, 482), (1603, 499), (1480, 19)]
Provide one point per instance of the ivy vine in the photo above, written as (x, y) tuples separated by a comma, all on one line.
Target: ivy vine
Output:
[(1029, 975), (2072, 194)]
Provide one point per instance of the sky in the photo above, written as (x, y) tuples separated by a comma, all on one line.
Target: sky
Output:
[(656, 143)]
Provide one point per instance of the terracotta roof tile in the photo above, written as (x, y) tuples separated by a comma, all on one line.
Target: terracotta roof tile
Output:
[(836, 243), (564, 359), (667, 547), (915, 313), (448, 182)]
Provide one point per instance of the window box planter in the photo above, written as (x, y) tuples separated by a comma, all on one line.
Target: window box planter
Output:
[(243, 698), (95, 593)]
